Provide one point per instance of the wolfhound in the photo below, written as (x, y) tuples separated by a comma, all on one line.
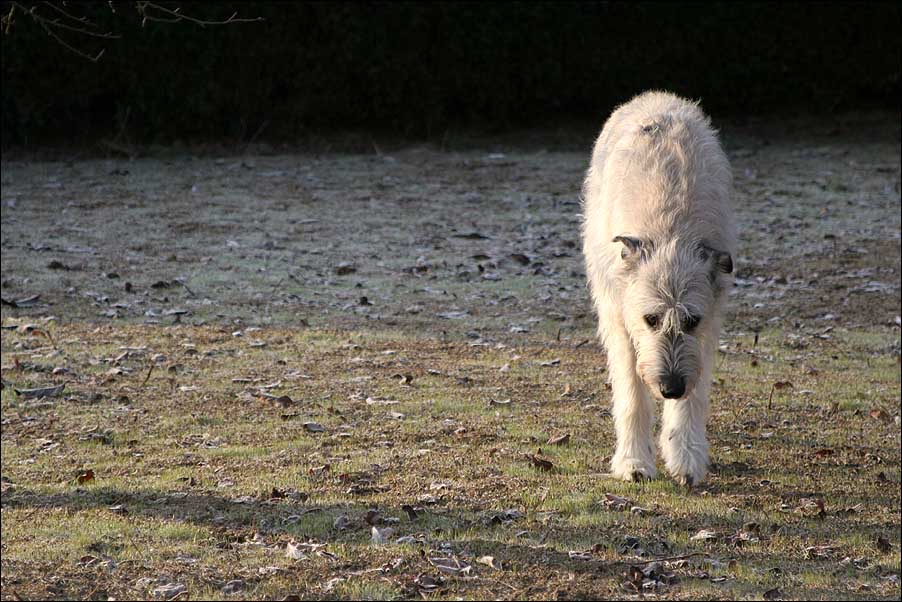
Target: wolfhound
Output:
[(658, 239)]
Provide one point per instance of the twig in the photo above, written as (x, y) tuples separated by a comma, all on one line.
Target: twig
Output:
[(190, 292), (82, 25), (147, 378), (175, 16), (671, 558), (8, 19)]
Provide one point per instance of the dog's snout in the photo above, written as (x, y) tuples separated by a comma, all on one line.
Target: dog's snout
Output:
[(674, 387)]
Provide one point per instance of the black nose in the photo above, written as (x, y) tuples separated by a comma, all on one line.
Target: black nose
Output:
[(674, 387)]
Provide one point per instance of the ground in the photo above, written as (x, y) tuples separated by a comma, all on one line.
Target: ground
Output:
[(374, 375)]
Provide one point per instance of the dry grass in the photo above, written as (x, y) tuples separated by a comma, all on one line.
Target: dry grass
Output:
[(203, 476)]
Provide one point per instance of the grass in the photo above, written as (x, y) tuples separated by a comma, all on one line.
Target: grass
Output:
[(184, 478), (202, 477)]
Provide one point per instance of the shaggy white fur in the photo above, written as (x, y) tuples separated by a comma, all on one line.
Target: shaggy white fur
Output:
[(658, 239)]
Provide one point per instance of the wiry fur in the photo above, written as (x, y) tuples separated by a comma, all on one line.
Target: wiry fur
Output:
[(660, 183)]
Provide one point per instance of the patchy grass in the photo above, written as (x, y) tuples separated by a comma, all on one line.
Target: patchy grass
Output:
[(202, 481), (238, 395)]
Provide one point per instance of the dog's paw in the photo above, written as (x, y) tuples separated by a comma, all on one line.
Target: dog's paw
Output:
[(688, 467), (633, 469)]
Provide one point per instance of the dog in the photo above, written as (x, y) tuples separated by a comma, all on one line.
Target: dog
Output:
[(659, 237)]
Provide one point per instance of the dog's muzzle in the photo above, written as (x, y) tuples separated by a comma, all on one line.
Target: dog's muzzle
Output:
[(674, 387)]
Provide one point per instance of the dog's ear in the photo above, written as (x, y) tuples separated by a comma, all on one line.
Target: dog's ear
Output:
[(723, 261), (632, 247)]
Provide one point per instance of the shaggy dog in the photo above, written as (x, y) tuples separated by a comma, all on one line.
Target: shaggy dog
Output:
[(658, 240)]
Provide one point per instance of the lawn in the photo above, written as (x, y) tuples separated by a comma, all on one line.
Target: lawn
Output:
[(374, 376)]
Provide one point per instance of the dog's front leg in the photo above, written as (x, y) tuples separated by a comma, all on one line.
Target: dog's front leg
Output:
[(683, 442), (633, 410)]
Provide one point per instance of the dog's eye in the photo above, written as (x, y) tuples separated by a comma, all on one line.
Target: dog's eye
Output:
[(652, 321), (690, 323)]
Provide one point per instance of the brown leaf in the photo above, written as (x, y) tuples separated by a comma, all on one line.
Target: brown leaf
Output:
[(883, 545), (777, 386), (404, 379), (823, 453), (879, 414), (411, 511), (560, 439), (489, 561), (540, 462), (615, 502), (85, 476)]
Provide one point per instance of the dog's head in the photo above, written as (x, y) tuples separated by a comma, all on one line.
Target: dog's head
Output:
[(670, 306)]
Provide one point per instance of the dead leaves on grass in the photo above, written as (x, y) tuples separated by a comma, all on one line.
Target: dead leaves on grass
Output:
[(84, 476)]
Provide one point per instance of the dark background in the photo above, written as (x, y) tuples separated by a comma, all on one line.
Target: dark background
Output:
[(421, 69)]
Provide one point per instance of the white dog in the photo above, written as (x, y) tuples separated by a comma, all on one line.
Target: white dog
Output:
[(658, 239)]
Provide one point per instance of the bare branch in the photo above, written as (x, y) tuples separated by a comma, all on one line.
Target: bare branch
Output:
[(66, 20), (83, 20), (175, 15), (7, 21), (55, 36)]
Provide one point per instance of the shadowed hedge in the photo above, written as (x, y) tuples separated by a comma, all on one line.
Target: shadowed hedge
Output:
[(418, 69)]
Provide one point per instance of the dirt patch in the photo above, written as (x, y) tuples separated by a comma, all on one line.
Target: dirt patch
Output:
[(429, 241)]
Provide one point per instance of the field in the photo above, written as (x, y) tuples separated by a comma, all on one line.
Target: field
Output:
[(373, 375)]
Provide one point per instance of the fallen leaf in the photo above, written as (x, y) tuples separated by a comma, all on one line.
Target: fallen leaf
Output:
[(169, 591), (232, 587), (560, 439), (616, 502), (428, 583), (341, 522), (452, 566), (411, 512), (489, 561), (295, 551), (540, 462), (777, 386), (85, 476), (879, 414), (883, 545), (40, 392), (404, 379), (381, 536), (823, 551), (704, 535)]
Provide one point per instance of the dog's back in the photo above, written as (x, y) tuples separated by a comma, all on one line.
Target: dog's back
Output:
[(658, 172)]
